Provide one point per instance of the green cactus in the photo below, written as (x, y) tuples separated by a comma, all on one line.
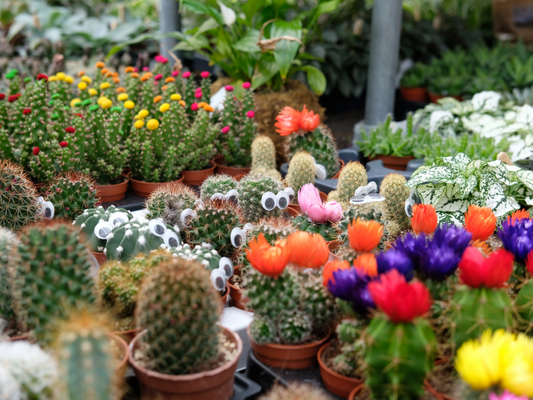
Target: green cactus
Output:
[(398, 357), (189, 88), (251, 190), (14, 81), (71, 194), (352, 176), (367, 212), (263, 330), (9, 259), (272, 172), (350, 361), (178, 290), (524, 306), (130, 238), (4, 116), (395, 191), (296, 391), (197, 143), (321, 145), (85, 356), (204, 254), (53, 273), (168, 202), (91, 218), (263, 153), (472, 311), (294, 326), (18, 206), (302, 170), (328, 230), (273, 228), (217, 184)]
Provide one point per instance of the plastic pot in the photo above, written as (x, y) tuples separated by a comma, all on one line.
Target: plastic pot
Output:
[(333, 381), (393, 162), (144, 189), (215, 384), (196, 178), (113, 192), (419, 94)]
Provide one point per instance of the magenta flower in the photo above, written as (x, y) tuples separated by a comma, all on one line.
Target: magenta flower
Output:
[(204, 74), (194, 106), (146, 69), (158, 77), (229, 88), (175, 73), (225, 129), (246, 85), (161, 59), (250, 114), (506, 396), (198, 95), (186, 74)]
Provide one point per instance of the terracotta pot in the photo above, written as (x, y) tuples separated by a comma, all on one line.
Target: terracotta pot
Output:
[(126, 335), (356, 391), (427, 387), (334, 245), (224, 299), (24, 336), (215, 384), (220, 162), (418, 94), (336, 176), (126, 171), (121, 366), (393, 162), (100, 257), (323, 197), (293, 211), (287, 356), (434, 97), (113, 192), (239, 177), (334, 382), (196, 178), (144, 189), (237, 298)]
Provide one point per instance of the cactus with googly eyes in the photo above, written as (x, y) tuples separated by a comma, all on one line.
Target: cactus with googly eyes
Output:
[(217, 184), (133, 237), (252, 200), (168, 202), (302, 170), (94, 239)]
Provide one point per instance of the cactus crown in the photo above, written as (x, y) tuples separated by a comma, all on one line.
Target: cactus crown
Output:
[(263, 153), (251, 190), (302, 170), (352, 176), (168, 202), (217, 184), (395, 191)]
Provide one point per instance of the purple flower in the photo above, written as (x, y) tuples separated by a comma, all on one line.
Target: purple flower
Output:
[(411, 246), (395, 259), (517, 237), (454, 237), (438, 261), (351, 285)]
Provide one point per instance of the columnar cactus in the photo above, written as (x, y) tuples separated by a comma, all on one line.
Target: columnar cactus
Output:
[(395, 192), (178, 290), (222, 184), (302, 170), (352, 176), (197, 144), (255, 191), (169, 201), (9, 259), (45, 284), (263, 155)]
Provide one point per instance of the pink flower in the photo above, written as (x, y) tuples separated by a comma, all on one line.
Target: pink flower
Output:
[(246, 85), (198, 89), (204, 74), (307, 195), (334, 211), (225, 129), (317, 213), (311, 204), (506, 396), (194, 106), (158, 77), (161, 59), (186, 74), (250, 114), (146, 69), (198, 95), (135, 69), (229, 88), (175, 73)]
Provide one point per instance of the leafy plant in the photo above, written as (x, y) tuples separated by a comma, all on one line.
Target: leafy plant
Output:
[(415, 76)]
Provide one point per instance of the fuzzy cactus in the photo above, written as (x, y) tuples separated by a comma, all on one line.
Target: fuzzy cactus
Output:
[(96, 223), (395, 191), (45, 284), (296, 391), (367, 212), (71, 194), (263, 153), (169, 201), (178, 290), (18, 206), (302, 170), (254, 190), (85, 356), (9, 258), (352, 176), (222, 184)]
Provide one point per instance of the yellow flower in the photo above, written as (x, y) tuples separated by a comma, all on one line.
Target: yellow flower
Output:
[(69, 79), (52, 78), (152, 124), (60, 76), (143, 113), (87, 79), (164, 107), (106, 104), (122, 97), (104, 85), (129, 104), (175, 97), (139, 124), (101, 100), (93, 92), (73, 102), (82, 86), (517, 366)]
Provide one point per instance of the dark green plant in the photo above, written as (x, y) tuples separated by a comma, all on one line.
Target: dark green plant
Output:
[(9, 259), (382, 140), (415, 76), (328, 230)]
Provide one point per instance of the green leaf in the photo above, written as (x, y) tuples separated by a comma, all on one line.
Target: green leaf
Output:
[(207, 25), (433, 174), (327, 7), (199, 8), (138, 39), (249, 42), (286, 50), (315, 78), (267, 69), (526, 177), (250, 8)]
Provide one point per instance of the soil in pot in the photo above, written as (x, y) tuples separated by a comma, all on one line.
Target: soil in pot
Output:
[(418, 94), (113, 192), (144, 189), (393, 162), (214, 382), (237, 297), (333, 381), (196, 178)]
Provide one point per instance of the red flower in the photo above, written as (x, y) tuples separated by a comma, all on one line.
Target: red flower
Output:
[(480, 221), (63, 144), (424, 219), (225, 129), (246, 85), (41, 77), (529, 262), (309, 121), (2, 96), (26, 111), (158, 77), (229, 88), (13, 98), (401, 301), (194, 106), (307, 250), (36, 151), (79, 115), (186, 74), (70, 129), (204, 74), (288, 121), (492, 272), (269, 260)]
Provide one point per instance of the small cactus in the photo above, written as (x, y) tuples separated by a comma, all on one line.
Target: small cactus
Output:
[(222, 184), (168, 202), (395, 191), (352, 176), (256, 189), (302, 170), (296, 391), (9, 259), (263, 153)]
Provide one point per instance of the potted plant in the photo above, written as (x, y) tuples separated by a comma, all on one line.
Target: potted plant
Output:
[(413, 83), (203, 367), (447, 86)]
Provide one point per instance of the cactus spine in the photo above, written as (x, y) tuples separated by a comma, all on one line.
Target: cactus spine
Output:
[(352, 176), (251, 189), (168, 201), (9, 260), (217, 184), (263, 153), (302, 170), (395, 192)]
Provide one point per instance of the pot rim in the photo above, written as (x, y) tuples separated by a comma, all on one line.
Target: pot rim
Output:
[(116, 184), (157, 183), (329, 370), (289, 346), (126, 348), (213, 166)]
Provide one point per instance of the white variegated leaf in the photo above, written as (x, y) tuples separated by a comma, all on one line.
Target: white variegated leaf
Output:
[(529, 201), (456, 218), (502, 204), (526, 177), (452, 204), (430, 193), (470, 184), (434, 174)]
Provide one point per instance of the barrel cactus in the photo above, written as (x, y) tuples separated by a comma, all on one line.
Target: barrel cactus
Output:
[(9, 259), (223, 184), (258, 197), (168, 202)]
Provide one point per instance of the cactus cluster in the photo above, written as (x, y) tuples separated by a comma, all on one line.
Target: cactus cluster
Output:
[(264, 157), (9, 260), (255, 191), (302, 170), (329, 231), (169, 201), (395, 191), (222, 184), (178, 290)]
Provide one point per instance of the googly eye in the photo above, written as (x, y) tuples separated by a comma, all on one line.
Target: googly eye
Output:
[(47, 210), (283, 200), (171, 239), (218, 279), (103, 229), (321, 171), (217, 196), (187, 216), (248, 227), (414, 198), (118, 218), (357, 199), (237, 237), (408, 208), (290, 192), (232, 196), (157, 227), (226, 265), (269, 201)]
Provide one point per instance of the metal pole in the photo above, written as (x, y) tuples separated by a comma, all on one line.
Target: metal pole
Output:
[(383, 65), (169, 21)]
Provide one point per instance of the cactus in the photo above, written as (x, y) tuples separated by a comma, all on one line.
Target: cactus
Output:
[(321, 145), (273, 228), (90, 219), (302, 170), (128, 239), (263, 153), (53, 273), (85, 357), (9, 258), (524, 306), (350, 361), (329, 231), (395, 192), (217, 184), (178, 290), (18, 206), (296, 391), (71, 194), (352, 176), (168, 202), (204, 254), (263, 330), (367, 212), (197, 142), (251, 190), (214, 224)]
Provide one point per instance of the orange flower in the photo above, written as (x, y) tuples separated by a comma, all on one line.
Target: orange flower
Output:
[(288, 121), (182, 103), (330, 268), (108, 74), (104, 71), (482, 246), (367, 263), (424, 219), (157, 99), (169, 79), (517, 216), (480, 221), (129, 69), (307, 250), (202, 104), (115, 74), (135, 75), (269, 260), (208, 108), (100, 64), (121, 90), (164, 87), (81, 73), (116, 80), (309, 121), (364, 235)]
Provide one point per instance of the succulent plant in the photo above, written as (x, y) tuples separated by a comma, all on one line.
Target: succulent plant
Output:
[(259, 197), (223, 184), (395, 192), (352, 176), (9, 259), (302, 170), (178, 290), (367, 212), (296, 391), (327, 230), (169, 201), (263, 153)]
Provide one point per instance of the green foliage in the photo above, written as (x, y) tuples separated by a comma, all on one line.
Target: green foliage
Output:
[(524, 306), (414, 77), (302, 170), (328, 230)]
